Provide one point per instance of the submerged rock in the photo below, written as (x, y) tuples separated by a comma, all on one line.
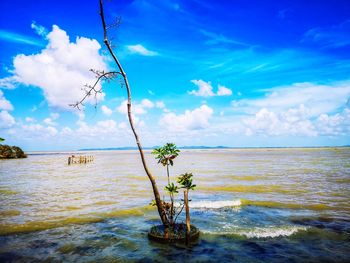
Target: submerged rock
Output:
[(11, 152)]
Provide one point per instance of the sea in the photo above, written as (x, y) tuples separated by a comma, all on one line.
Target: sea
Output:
[(251, 205)]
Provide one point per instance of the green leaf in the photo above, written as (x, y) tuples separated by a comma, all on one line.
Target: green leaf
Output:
[(171, 188), (185, 180), (166, 154), (153, 203)]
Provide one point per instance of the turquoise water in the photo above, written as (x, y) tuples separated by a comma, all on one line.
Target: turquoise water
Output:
[(251, 205)]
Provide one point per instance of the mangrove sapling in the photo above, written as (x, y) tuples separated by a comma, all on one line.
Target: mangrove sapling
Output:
[(166, 156), (185, 180)]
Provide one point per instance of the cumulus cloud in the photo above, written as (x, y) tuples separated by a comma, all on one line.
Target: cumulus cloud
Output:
[(51, 120), (99, 129), (319, 99), (205, 89), (6, 120), (38, 130), (4, 103), (107, 111), (61, 69), (291, 122), (141, 50), (334, 125), (191, 120), (223, 91), (301, 109)]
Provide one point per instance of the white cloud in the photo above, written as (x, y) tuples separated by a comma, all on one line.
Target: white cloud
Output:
[(107, 111), (291, 122), (123, 126), (9, 82), (146, 103), (123, 107), (223, 91), (61, 69), (6, 120), (100, 128), (319, 99), (54, 115), (301, 109), (205, 89), (40, 30), (334, 125), (49, 121), (160, 104), (190, 120), (52, 131), (38, 130), (29, 119), (141, 50), (66, 131), (4, 103)]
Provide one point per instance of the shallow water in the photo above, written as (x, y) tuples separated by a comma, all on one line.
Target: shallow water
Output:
[(260, 205)]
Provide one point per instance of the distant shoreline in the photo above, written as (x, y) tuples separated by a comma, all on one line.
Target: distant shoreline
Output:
[(210, 147), (67, 152)]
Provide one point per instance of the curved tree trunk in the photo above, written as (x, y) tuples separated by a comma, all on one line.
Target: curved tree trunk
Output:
[(158, 200), (188, 219)]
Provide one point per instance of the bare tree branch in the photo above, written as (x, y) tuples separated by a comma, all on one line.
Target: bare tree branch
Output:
[(101, 75)]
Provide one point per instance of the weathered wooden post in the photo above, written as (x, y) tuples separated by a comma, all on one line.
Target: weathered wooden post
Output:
[(69, 160)]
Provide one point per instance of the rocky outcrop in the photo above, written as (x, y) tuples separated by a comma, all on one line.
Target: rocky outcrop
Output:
[(11, 152)]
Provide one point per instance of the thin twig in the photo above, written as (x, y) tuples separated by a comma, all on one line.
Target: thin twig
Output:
[(92, 88)]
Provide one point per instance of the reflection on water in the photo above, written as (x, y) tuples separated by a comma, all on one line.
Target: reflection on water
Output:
[(247, 202)]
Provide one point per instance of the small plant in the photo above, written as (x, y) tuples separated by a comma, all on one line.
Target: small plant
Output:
[(166, 156), (185, 180), (1, 139)]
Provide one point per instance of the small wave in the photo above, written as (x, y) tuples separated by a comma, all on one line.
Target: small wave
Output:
[(261, 189), (215, 204), (245, 202), (261, 232)]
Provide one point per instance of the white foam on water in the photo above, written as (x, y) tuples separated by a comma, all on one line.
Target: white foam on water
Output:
[(215, 204), (271, 232), (262, 232)]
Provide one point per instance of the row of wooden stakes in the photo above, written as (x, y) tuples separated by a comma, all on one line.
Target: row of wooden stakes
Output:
[(80, 159)]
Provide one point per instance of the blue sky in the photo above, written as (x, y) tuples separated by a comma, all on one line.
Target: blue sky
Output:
[(234, 73)]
